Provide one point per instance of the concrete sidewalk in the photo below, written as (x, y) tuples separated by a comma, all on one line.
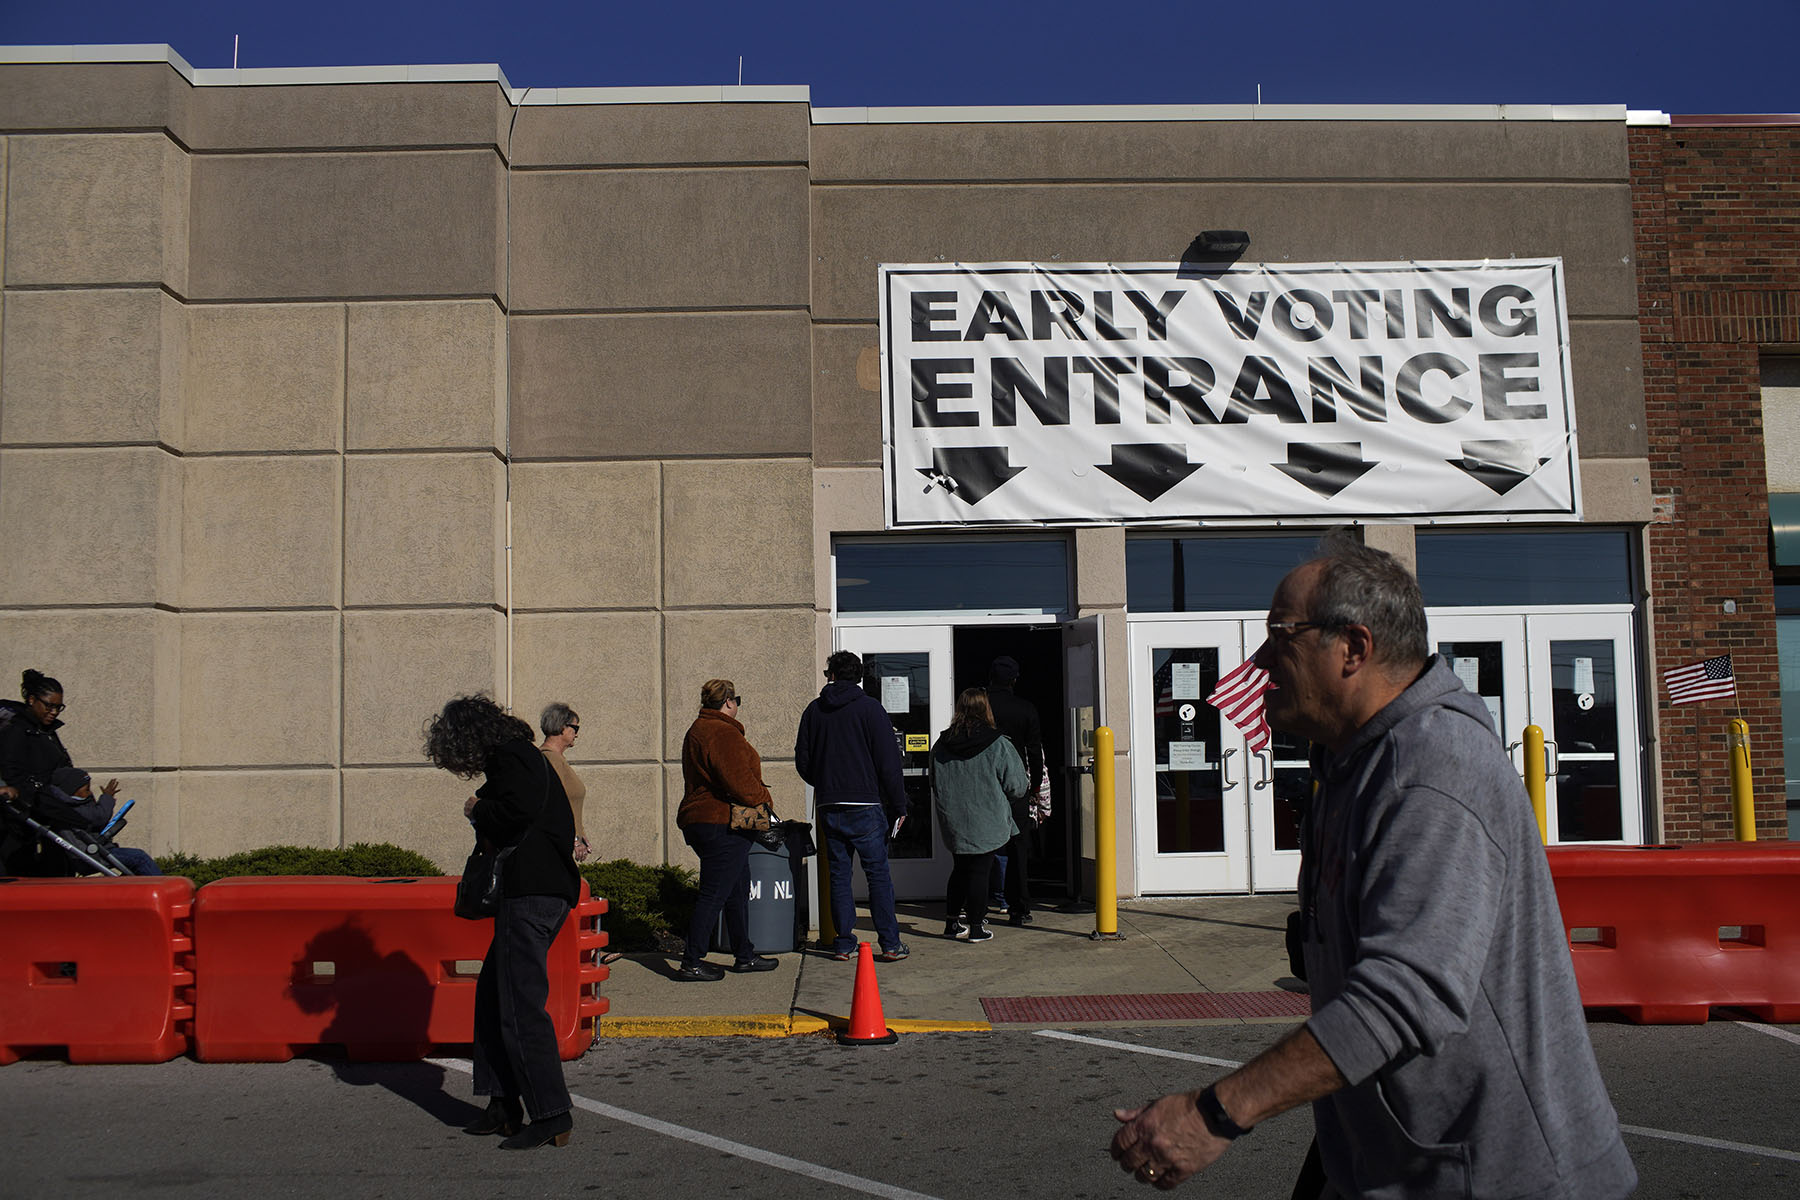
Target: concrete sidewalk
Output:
[(1182, 959)]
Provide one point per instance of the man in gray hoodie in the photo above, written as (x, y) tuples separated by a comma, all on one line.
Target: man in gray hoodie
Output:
[(1447, 1054)]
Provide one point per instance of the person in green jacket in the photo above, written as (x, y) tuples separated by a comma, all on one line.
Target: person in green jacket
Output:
[(975, 776)]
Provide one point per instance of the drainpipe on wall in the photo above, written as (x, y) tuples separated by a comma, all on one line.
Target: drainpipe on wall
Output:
[(506, 391)]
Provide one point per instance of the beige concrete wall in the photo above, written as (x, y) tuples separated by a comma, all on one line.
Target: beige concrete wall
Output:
[(274, 377)]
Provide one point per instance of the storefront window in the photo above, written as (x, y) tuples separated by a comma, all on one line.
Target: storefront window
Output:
[(1524, 567), (1210, 574), (991, 574)]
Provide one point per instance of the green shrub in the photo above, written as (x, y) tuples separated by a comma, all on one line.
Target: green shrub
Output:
[(645, 906), (364, 860)]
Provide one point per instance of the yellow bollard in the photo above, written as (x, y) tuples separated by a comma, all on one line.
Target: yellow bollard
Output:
[(1106, 886), (1535, 779), (1743, 802)]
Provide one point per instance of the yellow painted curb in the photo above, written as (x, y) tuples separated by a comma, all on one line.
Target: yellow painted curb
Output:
[(755, 1025)]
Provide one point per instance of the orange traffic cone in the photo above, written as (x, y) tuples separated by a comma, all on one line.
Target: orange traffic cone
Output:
[(867, 1026)]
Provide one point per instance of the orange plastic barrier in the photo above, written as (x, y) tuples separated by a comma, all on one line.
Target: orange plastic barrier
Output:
[(1665, 933), (381, 967), (99, 967)]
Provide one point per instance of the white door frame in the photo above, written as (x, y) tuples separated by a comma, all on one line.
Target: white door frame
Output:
[(1188, 872), (1527, 694)]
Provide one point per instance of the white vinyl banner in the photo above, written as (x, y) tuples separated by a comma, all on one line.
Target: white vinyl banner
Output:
[(1034, 392)]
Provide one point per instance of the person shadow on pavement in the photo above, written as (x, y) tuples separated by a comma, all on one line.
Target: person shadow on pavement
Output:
[(380, 1016)]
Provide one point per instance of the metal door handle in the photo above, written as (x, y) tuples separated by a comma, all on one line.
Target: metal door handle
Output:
[(1225, 769), (1267, 759), (1552, 760)]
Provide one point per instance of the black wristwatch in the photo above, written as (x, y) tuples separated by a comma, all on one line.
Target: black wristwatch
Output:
[(1216, 1118)]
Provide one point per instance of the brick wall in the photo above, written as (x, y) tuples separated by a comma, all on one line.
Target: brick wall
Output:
[(1717, 218)]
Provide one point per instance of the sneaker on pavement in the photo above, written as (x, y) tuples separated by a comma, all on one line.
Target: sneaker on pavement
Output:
[(1019, 919), (840, 955), (899, 952), (953, 929), (978, 933), (700, 972)]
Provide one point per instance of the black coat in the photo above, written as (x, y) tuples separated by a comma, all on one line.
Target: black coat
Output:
[(523, 801), (1018, 720), (28, 751)]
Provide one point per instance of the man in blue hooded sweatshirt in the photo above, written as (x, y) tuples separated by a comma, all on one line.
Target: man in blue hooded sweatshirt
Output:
[(1447, 1054), (847, 751)]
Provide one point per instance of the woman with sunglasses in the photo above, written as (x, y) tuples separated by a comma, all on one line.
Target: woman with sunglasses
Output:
[(719, 768), (562, 725)]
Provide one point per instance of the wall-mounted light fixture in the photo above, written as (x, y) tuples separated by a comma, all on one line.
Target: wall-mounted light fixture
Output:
[(1213, 250)]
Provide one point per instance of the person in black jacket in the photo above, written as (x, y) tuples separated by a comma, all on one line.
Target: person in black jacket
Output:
[(29, 747), (1018, 720), (521, 804), (846, 750)]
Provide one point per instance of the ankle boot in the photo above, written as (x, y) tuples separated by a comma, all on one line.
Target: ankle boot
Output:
[(504, 1115), (550, 1131)]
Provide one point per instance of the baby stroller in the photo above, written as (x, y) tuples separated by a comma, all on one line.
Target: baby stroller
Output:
[(44, 837)]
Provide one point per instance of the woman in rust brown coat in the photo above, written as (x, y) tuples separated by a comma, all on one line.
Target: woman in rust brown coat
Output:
[(719, 768)]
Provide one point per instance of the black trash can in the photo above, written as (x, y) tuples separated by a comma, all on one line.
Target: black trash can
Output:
[(771, 903)]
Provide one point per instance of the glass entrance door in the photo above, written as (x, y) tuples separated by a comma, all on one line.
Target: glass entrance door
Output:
[(908, 669), (1209, 815), (1574, 676)]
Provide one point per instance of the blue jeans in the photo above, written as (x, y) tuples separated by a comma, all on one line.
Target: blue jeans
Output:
[(516, 1054), (137, 861), (860, 830), (724, 887)]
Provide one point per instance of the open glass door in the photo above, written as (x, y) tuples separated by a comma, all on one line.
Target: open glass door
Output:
[(907, 668)]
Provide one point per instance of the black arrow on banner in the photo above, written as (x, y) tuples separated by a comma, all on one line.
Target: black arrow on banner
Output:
[(970, 473), (1501, 465), (1325, 467), (1150, 468)]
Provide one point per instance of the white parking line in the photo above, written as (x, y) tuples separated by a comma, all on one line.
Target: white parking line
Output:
[(1715, 1143), (1639, 1130), (767, 1158), (1136, 1049), (1773, 1032)]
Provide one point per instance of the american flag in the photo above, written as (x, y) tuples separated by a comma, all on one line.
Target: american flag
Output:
[(1709, 679), (1239, 698)]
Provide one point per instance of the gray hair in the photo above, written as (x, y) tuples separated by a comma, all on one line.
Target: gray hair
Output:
[(1360, 585), (557, 717)]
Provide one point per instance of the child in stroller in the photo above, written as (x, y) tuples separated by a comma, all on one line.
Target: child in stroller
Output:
[(66, 830)]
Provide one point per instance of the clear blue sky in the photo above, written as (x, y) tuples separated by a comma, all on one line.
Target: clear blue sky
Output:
[(1680, 57)]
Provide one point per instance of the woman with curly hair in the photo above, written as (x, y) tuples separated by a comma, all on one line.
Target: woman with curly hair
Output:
[(520, 804)]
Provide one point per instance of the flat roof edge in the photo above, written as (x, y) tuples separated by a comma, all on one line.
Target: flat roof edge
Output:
[(1064, 113)]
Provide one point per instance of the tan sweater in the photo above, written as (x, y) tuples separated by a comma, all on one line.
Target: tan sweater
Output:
[(572, 785)]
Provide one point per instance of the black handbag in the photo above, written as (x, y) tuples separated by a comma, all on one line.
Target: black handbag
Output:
[(482, 886)]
